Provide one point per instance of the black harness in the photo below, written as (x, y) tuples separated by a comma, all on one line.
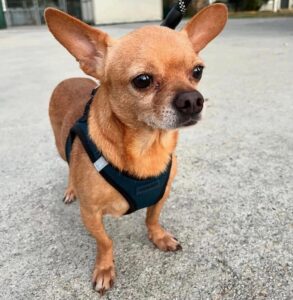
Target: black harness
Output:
[(139, 193)]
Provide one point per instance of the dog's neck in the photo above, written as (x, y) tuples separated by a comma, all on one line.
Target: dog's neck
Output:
[(142, 152)]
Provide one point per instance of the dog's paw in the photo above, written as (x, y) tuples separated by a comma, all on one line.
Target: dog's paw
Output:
[(165, 241), (69, 196), (103, 278)]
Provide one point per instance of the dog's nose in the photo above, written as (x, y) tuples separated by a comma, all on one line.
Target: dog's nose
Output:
[(189, 102)]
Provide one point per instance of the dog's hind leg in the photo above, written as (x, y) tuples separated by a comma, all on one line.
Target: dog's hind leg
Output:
[(69, 195)]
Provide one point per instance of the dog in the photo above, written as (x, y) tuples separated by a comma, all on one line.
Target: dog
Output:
[(147, 90)]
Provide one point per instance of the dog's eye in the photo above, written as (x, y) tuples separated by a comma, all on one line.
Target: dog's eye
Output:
[(197, 72), (142, 81)]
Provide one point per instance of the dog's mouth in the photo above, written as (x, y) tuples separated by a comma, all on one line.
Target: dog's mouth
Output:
[(190, 121)]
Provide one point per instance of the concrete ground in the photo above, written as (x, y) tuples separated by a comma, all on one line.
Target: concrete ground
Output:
[(231, 205)]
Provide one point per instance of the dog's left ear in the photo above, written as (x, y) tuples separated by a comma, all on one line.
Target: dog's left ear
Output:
[(206, 25)]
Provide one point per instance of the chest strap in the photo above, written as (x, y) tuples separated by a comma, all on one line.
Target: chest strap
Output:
[(139, 193)]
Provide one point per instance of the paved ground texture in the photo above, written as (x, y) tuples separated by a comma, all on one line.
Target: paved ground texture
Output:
[(231, 205)]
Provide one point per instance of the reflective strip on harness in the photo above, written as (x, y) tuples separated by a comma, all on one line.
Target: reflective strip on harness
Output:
[(100, 163)]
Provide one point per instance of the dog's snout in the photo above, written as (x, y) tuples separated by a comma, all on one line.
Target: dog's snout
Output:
[(189, 102)]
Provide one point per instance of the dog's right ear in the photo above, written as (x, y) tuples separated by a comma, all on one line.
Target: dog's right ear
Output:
[(88, 45), (206, 25)]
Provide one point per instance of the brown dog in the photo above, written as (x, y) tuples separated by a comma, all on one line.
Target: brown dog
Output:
[(148, 81)]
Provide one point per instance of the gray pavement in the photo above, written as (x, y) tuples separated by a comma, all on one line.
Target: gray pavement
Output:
[(231, 205)]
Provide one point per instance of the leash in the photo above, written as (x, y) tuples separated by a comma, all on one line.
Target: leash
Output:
[(176, 14)]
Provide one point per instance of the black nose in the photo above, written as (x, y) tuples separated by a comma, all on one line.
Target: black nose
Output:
[(189, 102)]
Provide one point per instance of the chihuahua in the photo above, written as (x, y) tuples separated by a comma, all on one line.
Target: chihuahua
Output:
[(147, 90)]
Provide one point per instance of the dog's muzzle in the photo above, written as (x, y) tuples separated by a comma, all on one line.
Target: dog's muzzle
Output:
[(188, 106)]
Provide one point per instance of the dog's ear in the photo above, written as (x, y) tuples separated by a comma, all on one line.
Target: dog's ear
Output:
[(88, 45), (206, 25)]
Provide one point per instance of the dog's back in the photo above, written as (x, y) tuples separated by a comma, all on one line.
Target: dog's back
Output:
[(66, 106)]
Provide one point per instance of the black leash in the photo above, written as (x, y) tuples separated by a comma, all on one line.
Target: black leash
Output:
[(176, 14)]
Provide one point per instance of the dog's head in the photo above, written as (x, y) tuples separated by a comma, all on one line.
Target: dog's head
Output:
[(152, 73)]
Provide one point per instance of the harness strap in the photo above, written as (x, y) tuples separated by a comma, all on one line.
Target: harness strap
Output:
[(80, 129)]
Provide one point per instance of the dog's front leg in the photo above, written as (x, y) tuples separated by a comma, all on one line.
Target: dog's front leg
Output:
[(104, 271), (164, 240)]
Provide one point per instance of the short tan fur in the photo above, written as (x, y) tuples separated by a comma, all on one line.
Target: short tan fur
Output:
[(136, 129)]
